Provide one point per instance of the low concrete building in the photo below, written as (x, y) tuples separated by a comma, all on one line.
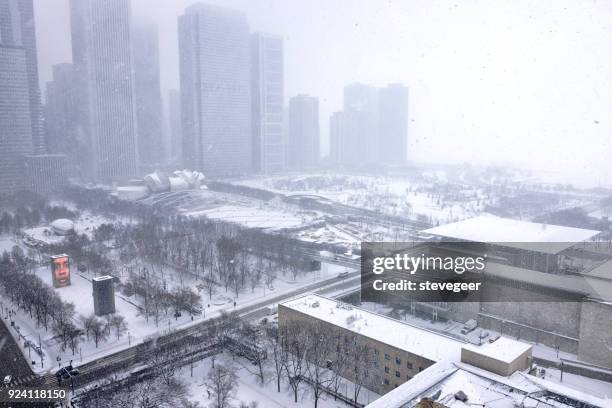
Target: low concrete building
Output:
[(399, 350), (503, 356)]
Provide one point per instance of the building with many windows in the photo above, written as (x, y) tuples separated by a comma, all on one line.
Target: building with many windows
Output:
[(147, 93), (397, 351), (102, 58), (267, 102), (15, 125), (61, 116), (215, 80), (17, 29)]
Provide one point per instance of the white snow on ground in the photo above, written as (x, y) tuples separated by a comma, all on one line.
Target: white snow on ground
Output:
[(590, 386), (249, 389), (7, 242), (396, 195), (80, 294), (254, 217), (86, 223)]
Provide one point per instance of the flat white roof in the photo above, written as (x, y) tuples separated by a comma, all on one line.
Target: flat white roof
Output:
[(102, 278), (395, 333), (522, 234), (502, 349)]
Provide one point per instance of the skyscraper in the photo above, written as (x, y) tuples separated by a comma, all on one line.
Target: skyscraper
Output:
[(175, 142), (17, 29), (61, 115), (215, 90), (335, 136), (267, 105), (393, 123), (15, 125), (303, 132), (148, 93), (359, 141), (102, 58)]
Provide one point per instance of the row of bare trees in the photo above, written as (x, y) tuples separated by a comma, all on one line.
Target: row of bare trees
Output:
[(157, 300), (305, 355), (318, 356), (29, 293)]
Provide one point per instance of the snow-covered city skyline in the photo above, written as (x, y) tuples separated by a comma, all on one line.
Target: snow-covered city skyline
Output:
[(528, 77)]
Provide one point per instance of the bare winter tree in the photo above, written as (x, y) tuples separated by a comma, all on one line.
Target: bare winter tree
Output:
[(117, 322), (277, 353), (362, 356), (98, 330), (317, 349), (295, 347), (222, 382), (256, 338)]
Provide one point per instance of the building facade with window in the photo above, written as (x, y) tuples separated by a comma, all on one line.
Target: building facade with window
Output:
[(396, 351)]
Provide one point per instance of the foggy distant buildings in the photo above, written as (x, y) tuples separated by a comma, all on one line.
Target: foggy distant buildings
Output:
[(393, 124), (22, 137), (102, 58), (267, 102), (215, 90), (15, 119), (17, 29), (359, 141), (61, 115), (145, 44), (372, 128), (175, 137), (303, 132), (335, 135)]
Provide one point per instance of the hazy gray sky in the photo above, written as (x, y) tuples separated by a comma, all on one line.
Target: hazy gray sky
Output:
[(523, 82)]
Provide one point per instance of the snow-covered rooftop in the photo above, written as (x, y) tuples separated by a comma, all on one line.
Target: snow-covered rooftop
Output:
[(444, 380), (395, 333), (502, 349), (520, 234)]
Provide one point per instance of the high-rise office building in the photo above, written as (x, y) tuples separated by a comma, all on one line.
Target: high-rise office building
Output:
[(15, 119), (335, 137), (175, 137), (46, 173), (17, 29), (267, 102), (148, 93), (393, 124), (102, 58), (303, 132), (359, 141), (215, 90), (61, 116)]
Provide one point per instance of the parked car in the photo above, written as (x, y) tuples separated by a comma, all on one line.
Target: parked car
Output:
[(8, 380)]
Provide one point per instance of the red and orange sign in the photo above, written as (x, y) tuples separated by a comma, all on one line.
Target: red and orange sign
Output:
[(60, 270)]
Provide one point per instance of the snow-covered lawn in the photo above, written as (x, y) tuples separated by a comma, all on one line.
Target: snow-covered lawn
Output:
[(394, 195), (255, 217), (138, 329)]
